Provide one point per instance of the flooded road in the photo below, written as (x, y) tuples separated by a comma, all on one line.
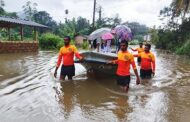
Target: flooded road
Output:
[(30, 93)]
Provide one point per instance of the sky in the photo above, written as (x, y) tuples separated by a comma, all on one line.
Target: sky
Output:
[(142, 11)]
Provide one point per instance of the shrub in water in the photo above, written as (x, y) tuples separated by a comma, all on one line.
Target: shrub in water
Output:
[(49, 41)]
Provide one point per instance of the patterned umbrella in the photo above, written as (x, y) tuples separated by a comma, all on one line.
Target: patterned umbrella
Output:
[(123, 32), (107, 36), (98, 33)]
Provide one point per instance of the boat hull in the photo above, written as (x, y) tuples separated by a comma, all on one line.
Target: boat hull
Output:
[(97, 63)]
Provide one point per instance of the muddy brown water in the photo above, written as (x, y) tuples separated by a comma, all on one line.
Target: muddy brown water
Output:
[(30, 93)]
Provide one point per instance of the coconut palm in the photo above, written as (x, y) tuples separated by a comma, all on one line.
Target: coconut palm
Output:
[(180, 7)]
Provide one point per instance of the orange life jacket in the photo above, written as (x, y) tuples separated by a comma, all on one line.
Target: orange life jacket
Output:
[(66, 54), (125, 59)]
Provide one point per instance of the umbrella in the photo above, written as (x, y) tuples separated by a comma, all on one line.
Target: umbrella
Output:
[(123, 32), (107, 36), (98, 33)]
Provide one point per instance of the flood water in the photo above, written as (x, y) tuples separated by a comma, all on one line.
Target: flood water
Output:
[(30, 93)]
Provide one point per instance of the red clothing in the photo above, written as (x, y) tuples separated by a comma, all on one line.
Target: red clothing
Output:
[(67, 54), (147, 61), (125, 59)]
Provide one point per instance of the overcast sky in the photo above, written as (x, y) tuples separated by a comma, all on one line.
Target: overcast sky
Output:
[(142, 11)]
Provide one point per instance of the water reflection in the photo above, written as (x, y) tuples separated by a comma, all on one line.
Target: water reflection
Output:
[(67, 99), (122, 108)]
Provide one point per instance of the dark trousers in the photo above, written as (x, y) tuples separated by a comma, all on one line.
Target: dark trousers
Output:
[(145, 73)]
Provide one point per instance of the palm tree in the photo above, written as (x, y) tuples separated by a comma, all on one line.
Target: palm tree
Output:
[(180, 6)]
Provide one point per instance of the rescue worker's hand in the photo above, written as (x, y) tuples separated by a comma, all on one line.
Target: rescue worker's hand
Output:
[(81, 58), (110, 62), (153, 73), (55, 74), (138, 81)]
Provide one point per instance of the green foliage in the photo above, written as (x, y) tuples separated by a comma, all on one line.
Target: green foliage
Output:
[(154, 35), (139, 38), (134, 42), (60, 44), (74, 27), (185, 49), (167, 40), (15, 37), (175, 40), (174, 35), (85, 45), (137, 28), (4, 13), (69, 28), (108, 22), (44, 18), (180, 7), (50, 41), (82, 25)]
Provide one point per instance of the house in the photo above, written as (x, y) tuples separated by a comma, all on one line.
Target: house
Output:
[(80, 39)]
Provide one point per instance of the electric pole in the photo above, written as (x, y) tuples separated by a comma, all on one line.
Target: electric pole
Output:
[(66, 12), (93, 24), (100, 13)]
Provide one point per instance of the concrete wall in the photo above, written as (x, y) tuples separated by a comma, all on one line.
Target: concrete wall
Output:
[(18, 46)]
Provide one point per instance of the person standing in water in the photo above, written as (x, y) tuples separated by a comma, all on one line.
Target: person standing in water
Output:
[(140, 49), (66, 54), (147, 62), (125, 59)]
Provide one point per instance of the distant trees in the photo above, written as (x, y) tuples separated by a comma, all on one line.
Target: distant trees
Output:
[(2, 4), (44, 18), (108, 21), (175, 31), (30, 9), (138, 30), (74, 27), (4, 13)]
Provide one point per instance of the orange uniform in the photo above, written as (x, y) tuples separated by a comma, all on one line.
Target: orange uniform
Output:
[(67, 54), (140, 50), (125, 59), (147, 61)]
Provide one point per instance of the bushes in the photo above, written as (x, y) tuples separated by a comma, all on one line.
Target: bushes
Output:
[(60, 44), (134, 42), (140, 38), (50, 41), (174, 41), (185, 49), (167, 40), (177, 39), (85, 45)]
